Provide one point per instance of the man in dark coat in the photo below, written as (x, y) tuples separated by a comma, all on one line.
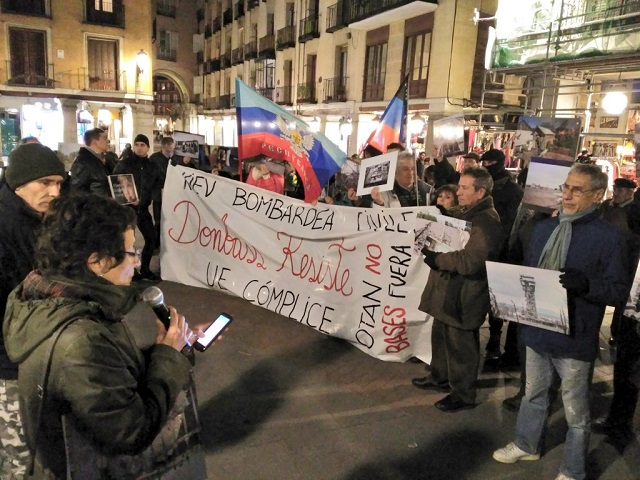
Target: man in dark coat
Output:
[(622, 212), (148, 178), (507, 195), (91, 167), (444, 173), (33, 180), (457, 296), (162, 159), (592, 256)]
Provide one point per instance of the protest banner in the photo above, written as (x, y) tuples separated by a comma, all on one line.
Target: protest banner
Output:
[(347, 272)]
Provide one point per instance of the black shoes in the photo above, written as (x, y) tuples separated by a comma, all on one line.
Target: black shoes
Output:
[(425, 383), (512, 404), (605, 426), (450, 404), (492, 350)]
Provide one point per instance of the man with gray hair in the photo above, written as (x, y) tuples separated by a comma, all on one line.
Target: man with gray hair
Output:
[(457, 296), (408, 191), (592, 256)]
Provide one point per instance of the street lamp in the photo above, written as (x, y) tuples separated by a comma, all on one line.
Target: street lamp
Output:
[(614, 103), (345, 126), (416, 124)]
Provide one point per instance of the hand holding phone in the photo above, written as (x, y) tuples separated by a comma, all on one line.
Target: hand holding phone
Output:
[(212, 332)]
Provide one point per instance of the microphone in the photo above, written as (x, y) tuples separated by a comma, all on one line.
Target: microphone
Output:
[(154, 297)]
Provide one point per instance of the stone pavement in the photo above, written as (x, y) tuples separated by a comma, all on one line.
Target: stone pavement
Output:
[(280, 401)]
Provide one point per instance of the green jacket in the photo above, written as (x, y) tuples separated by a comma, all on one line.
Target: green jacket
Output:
[(457, 293), (114, 391)]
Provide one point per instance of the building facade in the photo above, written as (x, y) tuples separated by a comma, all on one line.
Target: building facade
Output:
[(337, 65), (571, 58), (70, 65)]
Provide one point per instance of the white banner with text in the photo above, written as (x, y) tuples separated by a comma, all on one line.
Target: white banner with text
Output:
[(351, 273)]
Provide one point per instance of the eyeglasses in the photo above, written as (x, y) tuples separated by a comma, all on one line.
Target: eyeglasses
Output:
[(136, 254), (575, 191)]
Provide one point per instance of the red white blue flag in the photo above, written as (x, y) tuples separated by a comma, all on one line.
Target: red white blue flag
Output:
[(264, 128), (392, 123)]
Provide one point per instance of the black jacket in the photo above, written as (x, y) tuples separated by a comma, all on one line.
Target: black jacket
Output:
[(146, 174), (18, 231), (89, 174), (507, 195)]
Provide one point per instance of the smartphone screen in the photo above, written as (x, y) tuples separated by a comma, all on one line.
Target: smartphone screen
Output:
[(213, 331)]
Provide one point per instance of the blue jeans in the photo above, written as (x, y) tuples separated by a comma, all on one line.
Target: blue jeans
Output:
[(576, 377)]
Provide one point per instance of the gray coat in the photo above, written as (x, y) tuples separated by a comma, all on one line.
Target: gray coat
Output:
[(457, 293)]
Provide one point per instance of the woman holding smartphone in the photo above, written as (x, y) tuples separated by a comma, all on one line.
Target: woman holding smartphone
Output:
[(66, 319)]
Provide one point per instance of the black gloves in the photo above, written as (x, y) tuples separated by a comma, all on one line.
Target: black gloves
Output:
[(443, 210), (430, 258), (574, 281)]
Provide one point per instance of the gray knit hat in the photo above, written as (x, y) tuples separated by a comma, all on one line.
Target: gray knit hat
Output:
[(30, 162)]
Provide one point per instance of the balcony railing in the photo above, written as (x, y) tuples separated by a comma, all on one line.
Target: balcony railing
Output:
[(266, 92), (418, 87), (114, 19), (200, 57), (199, 15), (207, 31), (252, 4), (224, 101), (250, 50), (238, 10), (214, 64), (227, 16), (225, 60), (309, 28), (373, 88), (337, 16), (83, 79), (216, 25), (162, 109), (362, 10), (284, 95), (41, 76), (266, 47), (306, 92), (36, 8), (211, 103), (335, 89), (237, 56), (286, 37)]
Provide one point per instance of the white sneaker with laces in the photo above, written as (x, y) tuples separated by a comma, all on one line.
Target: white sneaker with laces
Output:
[(512, 454), (562, 476)]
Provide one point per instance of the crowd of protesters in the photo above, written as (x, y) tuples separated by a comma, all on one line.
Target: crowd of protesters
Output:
[(595, 244)]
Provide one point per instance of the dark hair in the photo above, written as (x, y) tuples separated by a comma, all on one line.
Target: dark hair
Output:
[(481, 178), (166, 141), (91, 135), (451, 188), (78, 225), (396, 145)]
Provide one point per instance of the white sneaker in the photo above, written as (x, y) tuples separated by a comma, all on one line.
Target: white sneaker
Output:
[(511, 454), (562, 476)]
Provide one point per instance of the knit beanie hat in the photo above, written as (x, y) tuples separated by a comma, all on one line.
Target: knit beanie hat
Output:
[(30, 162), (142, 138)]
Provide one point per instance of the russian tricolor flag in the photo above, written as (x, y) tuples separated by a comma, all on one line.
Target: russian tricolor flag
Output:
[(392, 123), (265, 128)]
